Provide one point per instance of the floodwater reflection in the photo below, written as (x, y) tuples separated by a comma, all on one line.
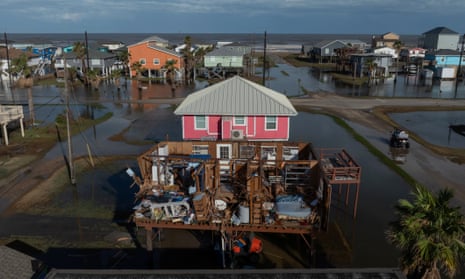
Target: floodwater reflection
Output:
[(433, 126)]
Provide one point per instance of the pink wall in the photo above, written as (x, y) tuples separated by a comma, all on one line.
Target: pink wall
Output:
[(253, 130)]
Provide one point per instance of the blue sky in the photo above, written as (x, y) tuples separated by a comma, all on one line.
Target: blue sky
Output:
[(236, 16)]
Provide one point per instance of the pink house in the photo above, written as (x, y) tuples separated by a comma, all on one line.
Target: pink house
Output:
[(236, 109)]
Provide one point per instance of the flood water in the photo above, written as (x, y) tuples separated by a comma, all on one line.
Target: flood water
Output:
[(108, 186), (434, 126)]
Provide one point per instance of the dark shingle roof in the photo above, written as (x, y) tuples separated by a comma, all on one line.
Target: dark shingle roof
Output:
[(440, 30)]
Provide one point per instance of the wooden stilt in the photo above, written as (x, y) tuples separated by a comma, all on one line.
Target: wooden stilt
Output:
[(5, 134), (347, 193), (356, 200), (148, 239), (21, 124)]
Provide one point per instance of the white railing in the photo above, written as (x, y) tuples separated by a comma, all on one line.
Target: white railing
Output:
[(10, 113)]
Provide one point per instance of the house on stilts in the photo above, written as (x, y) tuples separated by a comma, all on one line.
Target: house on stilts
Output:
[(236, 173)]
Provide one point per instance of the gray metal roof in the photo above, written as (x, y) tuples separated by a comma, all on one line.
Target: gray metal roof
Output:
[(154, 38), (93, 54), (225, 51), (163, 49), (236, 96), (151, 39), (14, 264)]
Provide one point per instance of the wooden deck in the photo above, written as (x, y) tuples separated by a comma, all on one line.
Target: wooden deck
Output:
[(9, 114), (205, 185), (339, 168)]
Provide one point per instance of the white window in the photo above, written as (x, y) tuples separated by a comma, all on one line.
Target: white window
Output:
[(156, 61), (247, 151), (142, 61), (270, 123), (239, 120), (200, 149), (268, 153), (200, 122), (224, 152), (290, 153)]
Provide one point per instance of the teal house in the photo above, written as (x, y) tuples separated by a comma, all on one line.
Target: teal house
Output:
[(224, 57)]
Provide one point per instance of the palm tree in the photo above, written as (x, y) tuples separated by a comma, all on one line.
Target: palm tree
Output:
[(397, 46), (124, 57), (22, 70), (430, 233), (189, 61), (116, 75), (171, 72), (79, 50), (372, 66), (138, 68)]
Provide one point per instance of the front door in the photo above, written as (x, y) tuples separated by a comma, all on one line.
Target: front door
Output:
[(224, 155)]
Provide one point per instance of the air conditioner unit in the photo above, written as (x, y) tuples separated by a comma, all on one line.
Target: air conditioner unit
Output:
[(237, 134)]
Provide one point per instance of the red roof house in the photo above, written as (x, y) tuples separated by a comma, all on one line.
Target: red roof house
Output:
[(236, 109)]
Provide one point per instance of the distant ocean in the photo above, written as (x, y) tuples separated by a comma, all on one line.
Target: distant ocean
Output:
[(253, 39)]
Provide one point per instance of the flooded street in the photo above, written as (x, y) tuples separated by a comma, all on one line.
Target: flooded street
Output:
[(105, 191)]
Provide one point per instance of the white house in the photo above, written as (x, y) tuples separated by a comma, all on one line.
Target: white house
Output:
[(386, 51)]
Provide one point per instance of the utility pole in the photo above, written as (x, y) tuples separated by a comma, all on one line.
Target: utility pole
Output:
[(459, 72), (264, 60), (7, 58), (68, 131), (87, 58)]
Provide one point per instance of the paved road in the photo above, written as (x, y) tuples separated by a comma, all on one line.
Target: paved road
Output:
[(428, 168), (336, 101)]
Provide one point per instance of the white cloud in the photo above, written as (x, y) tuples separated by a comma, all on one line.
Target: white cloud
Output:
[(223, 14)]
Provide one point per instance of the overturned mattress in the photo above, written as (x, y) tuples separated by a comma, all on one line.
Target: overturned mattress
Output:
[(292, 207)]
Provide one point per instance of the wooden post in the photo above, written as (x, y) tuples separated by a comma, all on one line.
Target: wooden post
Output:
[(5, 133), (21, 124), (356, 200), (31, 106), (148, 239)]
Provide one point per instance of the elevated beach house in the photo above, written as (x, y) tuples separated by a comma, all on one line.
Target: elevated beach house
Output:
[(440, 38), (326, 51), (153, 56), (236, 109), (385, 40), (371, 64), (100, 61)]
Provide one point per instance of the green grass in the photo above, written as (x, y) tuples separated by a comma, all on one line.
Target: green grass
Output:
[(349, 79), (39, 139), (373, 150)]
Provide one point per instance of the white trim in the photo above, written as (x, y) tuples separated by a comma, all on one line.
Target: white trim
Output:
[(195, 122), (240, 116), (276, 123)]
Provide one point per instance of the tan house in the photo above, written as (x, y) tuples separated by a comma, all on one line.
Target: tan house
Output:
[(384, 40)]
